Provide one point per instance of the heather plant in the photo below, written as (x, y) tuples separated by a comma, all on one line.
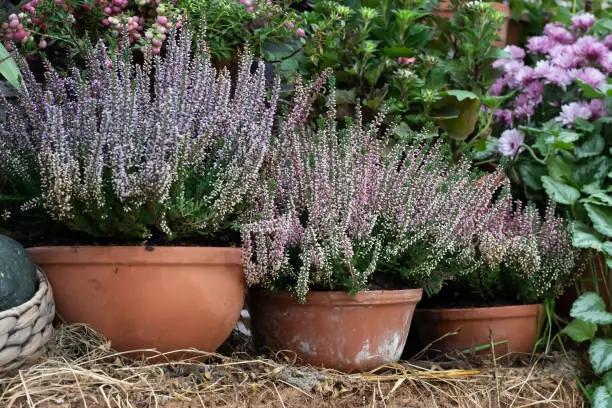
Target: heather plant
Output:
[(340, 209), (522, 257), (168, 149)]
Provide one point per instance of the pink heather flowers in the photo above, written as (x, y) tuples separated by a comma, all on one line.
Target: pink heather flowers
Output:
[(523, 255), (564, 56), (338, 206)]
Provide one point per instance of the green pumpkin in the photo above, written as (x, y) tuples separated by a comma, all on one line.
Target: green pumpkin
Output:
[(18, 279)]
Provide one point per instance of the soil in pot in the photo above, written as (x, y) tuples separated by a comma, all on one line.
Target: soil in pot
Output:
[(509, 328), (333, 329), (163, 298)]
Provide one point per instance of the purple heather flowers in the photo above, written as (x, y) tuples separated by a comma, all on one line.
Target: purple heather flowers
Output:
[(171, 146), (564, 56)]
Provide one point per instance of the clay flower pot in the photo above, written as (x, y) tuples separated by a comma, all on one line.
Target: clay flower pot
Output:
[(167, 298), (445, 11), (335, 330), (516, 326)]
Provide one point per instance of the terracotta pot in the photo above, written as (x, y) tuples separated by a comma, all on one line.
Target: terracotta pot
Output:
[(335, 330), (445, 11), (517, 325), (167, 298)]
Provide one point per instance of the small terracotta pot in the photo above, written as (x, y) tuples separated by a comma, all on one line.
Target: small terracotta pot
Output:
[(516, 325), (335, 330), (166, 298), (445, 11)]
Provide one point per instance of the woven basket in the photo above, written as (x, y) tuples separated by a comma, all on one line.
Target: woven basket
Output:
[(26, 328)]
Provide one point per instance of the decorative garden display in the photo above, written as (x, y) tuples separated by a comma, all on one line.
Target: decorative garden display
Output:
[(378, 165)]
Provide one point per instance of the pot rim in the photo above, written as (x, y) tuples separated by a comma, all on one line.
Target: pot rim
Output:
[(338, 298), (135, 255), (483, 313)]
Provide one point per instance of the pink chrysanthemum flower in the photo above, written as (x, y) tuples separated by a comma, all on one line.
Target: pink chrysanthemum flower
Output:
[(583, 21), (574, 110), (589, 75), (510, 142), (558, 33), (540, 45), (598, 108), (590, 47), (517, 52)]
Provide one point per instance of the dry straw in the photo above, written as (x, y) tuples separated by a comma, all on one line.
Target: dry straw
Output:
[(80, 370)]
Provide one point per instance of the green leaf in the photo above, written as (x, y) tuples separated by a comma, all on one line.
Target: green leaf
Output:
[(584, 238), (591, 171), (591, 308), (498, 53), (609, 261), (531, 173), (599, 198), (579, 330), (396, 52), (590, 91), (592, 146), (559, 168), (600, 354), (602, 398), (568, 137), (607, 380), (607, 248), (460, 127), (601, 218), (560, 192), (461, 95), (9, 69)]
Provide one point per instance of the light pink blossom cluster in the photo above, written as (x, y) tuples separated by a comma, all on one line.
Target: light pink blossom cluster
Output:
[(564, 56), (533, 251)]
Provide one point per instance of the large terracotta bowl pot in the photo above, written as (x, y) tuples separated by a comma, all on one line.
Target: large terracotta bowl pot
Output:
[(165, 298), (333, 329), (516, 328)]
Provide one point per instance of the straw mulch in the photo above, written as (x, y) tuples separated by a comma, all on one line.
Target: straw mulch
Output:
[(80, 370)]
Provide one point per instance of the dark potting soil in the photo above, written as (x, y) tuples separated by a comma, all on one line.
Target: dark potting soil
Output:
[(75, 239), (448, 299)]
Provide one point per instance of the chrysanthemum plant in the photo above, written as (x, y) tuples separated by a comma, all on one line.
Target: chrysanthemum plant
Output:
[(170, 149), (557, 128), (340, 209)]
